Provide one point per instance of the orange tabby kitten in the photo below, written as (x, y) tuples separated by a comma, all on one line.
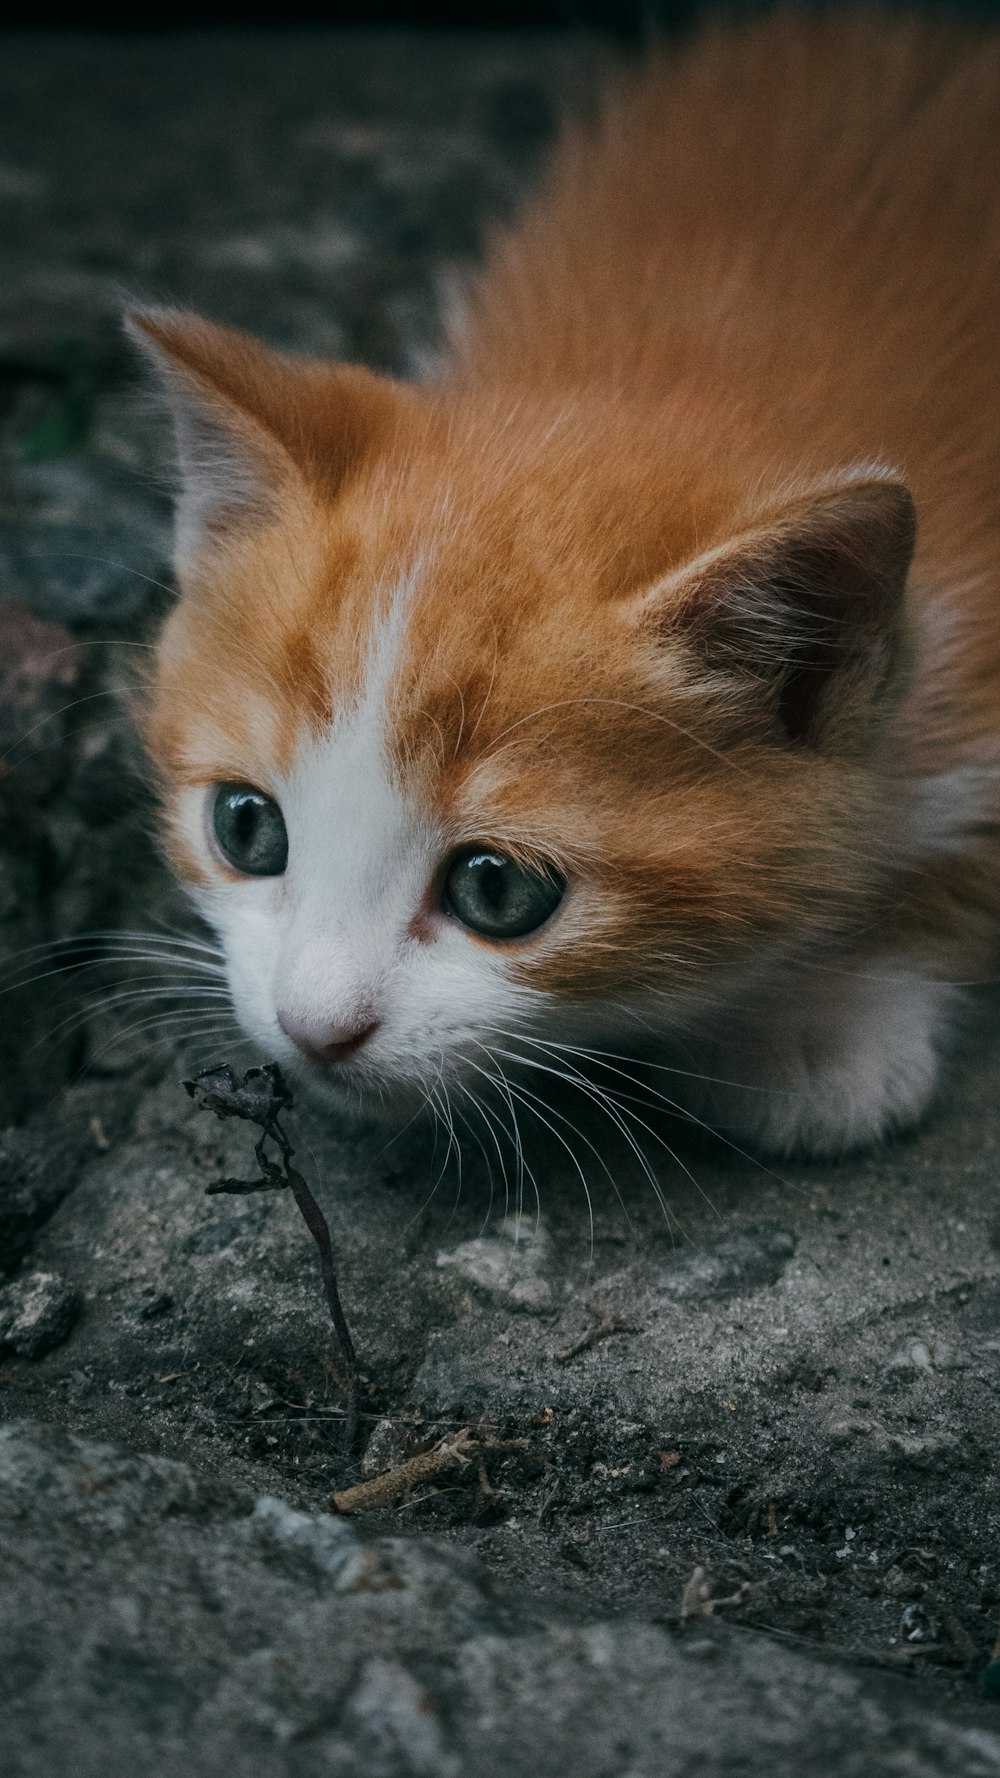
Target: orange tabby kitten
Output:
[(635, 684)]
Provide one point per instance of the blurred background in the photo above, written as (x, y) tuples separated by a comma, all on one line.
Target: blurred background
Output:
[(627, 21), (616, 17)]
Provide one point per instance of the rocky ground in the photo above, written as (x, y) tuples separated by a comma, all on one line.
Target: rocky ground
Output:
[(712, 1486)]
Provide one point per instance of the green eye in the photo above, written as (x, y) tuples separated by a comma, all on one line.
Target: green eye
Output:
[(498, 898), (249, 830)]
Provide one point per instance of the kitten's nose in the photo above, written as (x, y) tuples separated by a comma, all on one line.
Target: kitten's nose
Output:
[(328, 1043)]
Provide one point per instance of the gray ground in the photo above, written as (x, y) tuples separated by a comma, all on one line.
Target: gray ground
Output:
[(755, 1527)]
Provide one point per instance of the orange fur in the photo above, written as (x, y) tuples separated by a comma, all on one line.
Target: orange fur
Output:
[(654, 513)]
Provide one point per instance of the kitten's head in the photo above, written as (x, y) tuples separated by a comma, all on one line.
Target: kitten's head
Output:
[(480, 723)]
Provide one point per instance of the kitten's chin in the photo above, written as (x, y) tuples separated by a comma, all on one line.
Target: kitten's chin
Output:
[(356, 1096)]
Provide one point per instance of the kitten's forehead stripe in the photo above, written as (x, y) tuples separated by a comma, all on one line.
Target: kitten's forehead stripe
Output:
[(387, 643)]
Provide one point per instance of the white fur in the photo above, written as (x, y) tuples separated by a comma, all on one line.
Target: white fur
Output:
[(331, 940), (949, 806), (849, 1056), (836, 1053)]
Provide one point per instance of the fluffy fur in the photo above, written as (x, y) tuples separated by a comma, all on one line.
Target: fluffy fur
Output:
[(682, 576)]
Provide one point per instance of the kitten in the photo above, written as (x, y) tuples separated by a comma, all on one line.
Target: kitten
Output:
[(635, 684)]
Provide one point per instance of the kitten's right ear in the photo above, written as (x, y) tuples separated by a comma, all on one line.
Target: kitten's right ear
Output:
[(250, 422), (801, 614)]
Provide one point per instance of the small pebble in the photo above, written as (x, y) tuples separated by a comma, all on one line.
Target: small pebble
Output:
[(36, 1313)]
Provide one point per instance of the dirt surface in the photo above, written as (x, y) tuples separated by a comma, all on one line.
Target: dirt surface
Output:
[(731, 1501)]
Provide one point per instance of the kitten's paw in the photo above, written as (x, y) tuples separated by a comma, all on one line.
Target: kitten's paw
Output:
[(855, 1061)]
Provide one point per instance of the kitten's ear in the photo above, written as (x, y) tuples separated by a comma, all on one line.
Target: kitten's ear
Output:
[(249, 421), (804, 610)]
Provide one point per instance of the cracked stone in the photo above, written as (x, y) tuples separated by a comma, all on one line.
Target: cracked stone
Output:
[(36, 1313)]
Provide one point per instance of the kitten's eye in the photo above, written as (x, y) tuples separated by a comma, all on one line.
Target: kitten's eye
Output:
[(498, 898), (249, 830)]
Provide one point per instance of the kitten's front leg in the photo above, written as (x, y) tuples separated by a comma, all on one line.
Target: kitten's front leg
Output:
[(849, 1057)]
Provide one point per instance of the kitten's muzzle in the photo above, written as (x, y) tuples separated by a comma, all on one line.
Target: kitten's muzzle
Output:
[(328, 1043)]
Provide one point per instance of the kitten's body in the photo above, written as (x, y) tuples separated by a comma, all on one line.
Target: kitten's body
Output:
[(623, 591)]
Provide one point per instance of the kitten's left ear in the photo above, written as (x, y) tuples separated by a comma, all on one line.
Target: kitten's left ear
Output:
[(249, 422), (802, 613)]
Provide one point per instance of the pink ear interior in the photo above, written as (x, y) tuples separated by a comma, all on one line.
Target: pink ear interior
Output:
[(248, 420), (816, 589)]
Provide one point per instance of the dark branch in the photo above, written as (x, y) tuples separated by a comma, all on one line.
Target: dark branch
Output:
[(262, 1097)]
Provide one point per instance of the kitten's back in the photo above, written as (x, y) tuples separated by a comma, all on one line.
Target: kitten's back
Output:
[(786, 238)]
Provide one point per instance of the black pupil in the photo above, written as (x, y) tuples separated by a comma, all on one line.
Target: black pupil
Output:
[(246, 813), (491, 881)]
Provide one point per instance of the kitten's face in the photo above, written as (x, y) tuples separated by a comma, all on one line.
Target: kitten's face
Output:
[(471, 739)]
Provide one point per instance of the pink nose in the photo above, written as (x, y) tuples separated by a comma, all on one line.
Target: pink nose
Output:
[(327, 1043)]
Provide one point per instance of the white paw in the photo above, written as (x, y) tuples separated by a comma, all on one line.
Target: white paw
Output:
[(854, 1059)]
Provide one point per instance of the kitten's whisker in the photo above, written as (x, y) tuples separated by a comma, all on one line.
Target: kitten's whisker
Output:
[(477, 1139), (159, 1020), (672, 1105), (235, 1040), (51, 715), (605, 1104), (397, 1135), (184, 935), (67, 555), (524, 1171), (458, 1151), (442, 1122), (448, 1128), (164, 1014), (70, 958), (69, 971), (595, 1151), (474, 1101), (100, 1003), (115, 935), (502, 1080), (616, 1117), (519, 1160), (479, 1105), (888, 980), (714, 1080)]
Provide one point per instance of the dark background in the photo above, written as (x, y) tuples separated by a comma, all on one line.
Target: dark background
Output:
[(616, 16), (623, 19), (631, 22), (619, 17)]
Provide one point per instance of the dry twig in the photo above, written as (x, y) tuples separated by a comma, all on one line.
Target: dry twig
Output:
[(697, 1600), (262, 1098), (451, 1456), (601, 1330)]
